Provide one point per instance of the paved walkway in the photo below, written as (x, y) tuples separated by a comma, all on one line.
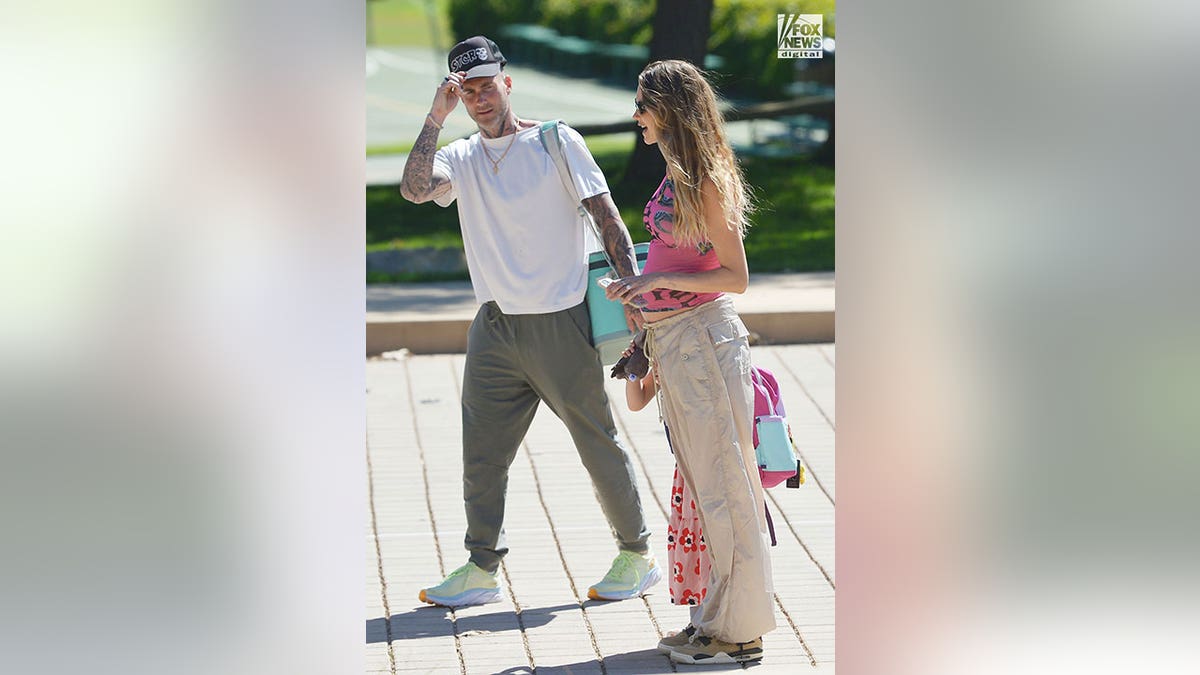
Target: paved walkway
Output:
[(559, 540)]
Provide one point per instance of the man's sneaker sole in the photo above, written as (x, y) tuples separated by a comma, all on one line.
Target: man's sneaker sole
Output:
[(652, 577), (477, 596)]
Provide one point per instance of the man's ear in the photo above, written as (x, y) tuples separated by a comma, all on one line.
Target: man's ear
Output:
[(508, 81)]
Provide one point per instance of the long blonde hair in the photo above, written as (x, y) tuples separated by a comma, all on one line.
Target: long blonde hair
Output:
[(691, 136)]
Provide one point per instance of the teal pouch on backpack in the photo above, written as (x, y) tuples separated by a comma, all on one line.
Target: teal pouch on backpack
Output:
[(773, 448)]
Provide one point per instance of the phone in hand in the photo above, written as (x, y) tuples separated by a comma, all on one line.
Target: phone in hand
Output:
[(607, 281)]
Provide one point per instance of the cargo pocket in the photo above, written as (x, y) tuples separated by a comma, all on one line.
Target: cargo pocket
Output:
[(692, 359), (727, 331), (731, 334)]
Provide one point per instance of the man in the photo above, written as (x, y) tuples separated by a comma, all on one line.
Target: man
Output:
[(530, 340)]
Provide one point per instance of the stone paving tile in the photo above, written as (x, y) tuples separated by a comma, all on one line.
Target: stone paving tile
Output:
[(558, 536)]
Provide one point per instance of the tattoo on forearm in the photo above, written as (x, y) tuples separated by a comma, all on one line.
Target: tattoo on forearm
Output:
[(418, 183), (614, 236)]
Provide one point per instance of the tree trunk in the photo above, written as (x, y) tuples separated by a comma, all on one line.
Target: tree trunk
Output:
[(681, 29), (825, 154)]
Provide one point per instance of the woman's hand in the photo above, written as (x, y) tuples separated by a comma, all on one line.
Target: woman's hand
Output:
[(629, 289)]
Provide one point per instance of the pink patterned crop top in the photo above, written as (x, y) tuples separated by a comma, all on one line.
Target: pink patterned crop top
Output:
[(666, 256)]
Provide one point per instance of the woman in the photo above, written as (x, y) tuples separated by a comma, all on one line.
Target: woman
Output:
[(698, 344)]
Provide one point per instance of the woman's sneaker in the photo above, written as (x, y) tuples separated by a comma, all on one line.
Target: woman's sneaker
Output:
[(703, 649), (676, 640), (630, 575), (467, 585)]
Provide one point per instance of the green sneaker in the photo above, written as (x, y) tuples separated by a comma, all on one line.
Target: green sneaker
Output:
[(467, 585), (676, 640), (704, 649), (630, 575)]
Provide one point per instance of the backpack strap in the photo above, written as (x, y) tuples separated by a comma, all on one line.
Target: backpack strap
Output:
[(552, 143), (762, 386)]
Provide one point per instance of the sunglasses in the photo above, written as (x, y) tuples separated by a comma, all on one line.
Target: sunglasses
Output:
[(641, 107)]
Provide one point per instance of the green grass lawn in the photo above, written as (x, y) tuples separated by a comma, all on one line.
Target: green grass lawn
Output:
[(406, 22), (792, 229)]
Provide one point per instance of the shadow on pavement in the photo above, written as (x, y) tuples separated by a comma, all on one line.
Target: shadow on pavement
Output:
[(642, 662), (433, 621)]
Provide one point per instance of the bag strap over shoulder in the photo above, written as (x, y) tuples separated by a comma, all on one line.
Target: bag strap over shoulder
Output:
[(552, 142)]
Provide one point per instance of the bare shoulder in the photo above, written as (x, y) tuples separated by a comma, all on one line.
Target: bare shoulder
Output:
[(710, 200)]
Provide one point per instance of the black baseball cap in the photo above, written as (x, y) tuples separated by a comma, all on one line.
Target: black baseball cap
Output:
[(478, 56)]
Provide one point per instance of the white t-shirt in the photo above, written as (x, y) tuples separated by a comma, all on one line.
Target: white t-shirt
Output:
[(522, 232)]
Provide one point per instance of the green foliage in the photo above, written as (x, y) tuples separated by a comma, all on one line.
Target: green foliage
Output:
[(792, 231), (402, 148), (412, 277), (743, 32), (793, 228), (390, 149), (484, 17), (605, 21), (394, 221)]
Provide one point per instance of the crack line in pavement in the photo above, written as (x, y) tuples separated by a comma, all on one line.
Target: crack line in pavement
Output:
[(437, 544), (806, 392), (454, 377), (645, 472), (520, 620), (778, 601), (803, 388), (812, 660), (825, 353), (658, 501), (782, 514), (387, 612), (562, 558)]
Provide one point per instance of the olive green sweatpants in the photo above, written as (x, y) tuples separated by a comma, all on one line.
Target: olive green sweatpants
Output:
[(514, 361)]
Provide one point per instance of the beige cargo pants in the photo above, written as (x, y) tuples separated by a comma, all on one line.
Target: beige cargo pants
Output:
[(707, 403)]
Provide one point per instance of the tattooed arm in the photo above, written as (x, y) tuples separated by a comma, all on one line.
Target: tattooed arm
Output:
[(615, 239), (421, 182)]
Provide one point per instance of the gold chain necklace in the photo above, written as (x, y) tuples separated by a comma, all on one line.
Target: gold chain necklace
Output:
[(496, 162)]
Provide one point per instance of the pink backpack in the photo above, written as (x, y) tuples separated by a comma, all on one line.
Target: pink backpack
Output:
[(776, 461)]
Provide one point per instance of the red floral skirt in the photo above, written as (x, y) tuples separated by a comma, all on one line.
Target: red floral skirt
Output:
[(686, 549)]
